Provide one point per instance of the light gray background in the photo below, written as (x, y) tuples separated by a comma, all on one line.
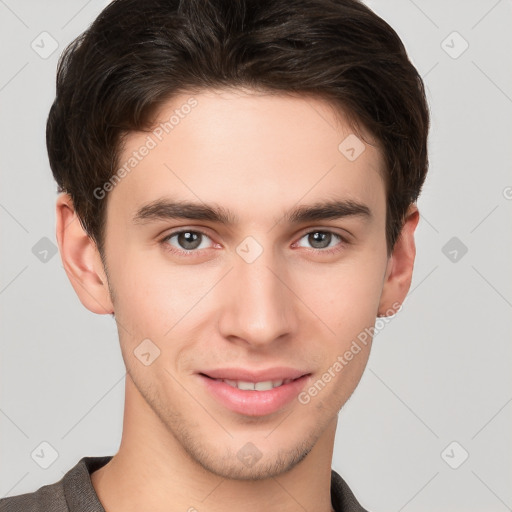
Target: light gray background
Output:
[(439, 372)]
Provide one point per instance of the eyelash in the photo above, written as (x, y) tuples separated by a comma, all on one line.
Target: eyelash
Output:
[(192, 252)]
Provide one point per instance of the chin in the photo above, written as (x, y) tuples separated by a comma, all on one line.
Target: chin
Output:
[(253, 460)]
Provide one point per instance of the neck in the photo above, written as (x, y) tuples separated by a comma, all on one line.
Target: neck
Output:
[(153, 471)]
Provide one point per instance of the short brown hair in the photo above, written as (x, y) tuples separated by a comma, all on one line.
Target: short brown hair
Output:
[(138, 54)]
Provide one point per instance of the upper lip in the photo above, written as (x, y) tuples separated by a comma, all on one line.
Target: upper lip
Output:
[(246, 375)]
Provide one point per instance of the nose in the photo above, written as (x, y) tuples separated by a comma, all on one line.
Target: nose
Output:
[(258, 306)]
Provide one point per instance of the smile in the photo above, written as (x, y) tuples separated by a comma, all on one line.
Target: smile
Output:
[(255, 386), (259, 398)]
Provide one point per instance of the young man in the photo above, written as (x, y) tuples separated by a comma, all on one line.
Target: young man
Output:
[(237, 187)]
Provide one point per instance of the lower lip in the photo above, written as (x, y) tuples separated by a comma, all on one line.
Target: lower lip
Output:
[(251, 402)]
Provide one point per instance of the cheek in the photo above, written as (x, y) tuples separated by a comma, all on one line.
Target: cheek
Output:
[(348, 306), (346, 296), (151, 294)]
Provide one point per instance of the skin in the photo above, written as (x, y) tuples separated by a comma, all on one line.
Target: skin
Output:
[(259, 155)]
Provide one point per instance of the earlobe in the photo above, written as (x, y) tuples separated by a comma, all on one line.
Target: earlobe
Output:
[(81, 259), (400, 266)]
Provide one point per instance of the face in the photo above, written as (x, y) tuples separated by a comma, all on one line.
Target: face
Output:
[(244, 244)]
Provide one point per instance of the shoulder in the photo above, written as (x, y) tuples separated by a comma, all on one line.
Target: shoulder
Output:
[(73, 492), (48, 498), (342, 497)]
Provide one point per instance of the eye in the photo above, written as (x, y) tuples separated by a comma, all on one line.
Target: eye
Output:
[(187, 240), (323, 241)]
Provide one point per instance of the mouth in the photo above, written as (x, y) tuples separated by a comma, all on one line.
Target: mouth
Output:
[(264, 385), (254, 397)]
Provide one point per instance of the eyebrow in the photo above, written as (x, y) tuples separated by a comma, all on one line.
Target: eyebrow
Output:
[(165, 209)]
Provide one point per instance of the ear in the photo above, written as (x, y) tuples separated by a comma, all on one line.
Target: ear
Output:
[(397, 280), (81, 259)]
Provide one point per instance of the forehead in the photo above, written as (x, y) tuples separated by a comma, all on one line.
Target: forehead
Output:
[(257, 154)]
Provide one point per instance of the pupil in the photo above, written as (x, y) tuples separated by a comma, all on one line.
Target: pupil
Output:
[(320, 238), (188, 240)]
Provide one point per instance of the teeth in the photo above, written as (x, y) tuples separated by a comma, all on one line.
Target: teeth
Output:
[(245, 385), (255, 386), (263, 386)]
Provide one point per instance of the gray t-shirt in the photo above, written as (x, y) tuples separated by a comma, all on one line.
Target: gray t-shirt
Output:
[(74, 493)]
